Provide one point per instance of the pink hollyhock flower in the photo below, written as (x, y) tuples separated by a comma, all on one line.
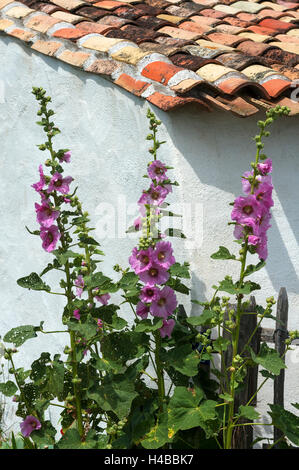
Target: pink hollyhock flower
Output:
[(265, 167), (154, 275), (142, 310), (46, 216), (263, 222), (50, 237), (76, 314), (103, 298), (162, 254), (157, 171), (79, 283), (165, 304), (149, 294), (251, 226), (137, 223), (99, 323), (66, 200), (66, 157), (263, 194), (167, 328), (246, 185), (30, 423), (42, 181), (141, 260), (60, 184), (246, 207)]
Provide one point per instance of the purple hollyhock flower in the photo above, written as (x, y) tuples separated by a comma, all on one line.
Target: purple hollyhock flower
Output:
[(42, 181), (30, 423), (66, 157), (246, 207), (99, 323), (149, 294), (265, 167), (141, 260), (263, 194), (246, 185), (157, 194), (262, 249), (46, 216), (50, 237), (167, 328), (253, 240), (142, 310), (79, 283), (154, 275), (103, 298), (157, 171), (162, 254), (76, 314), (165, 304), (251, 226), (60, 184)]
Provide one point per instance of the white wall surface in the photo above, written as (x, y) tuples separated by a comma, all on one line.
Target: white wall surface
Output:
[(105, 128)]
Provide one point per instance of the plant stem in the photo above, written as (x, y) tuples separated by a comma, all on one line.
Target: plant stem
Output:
[(160, 372)]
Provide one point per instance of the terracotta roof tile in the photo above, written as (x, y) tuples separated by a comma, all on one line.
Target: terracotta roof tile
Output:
[(236, 56)]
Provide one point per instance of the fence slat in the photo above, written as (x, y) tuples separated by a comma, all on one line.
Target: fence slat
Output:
[(280, 337)]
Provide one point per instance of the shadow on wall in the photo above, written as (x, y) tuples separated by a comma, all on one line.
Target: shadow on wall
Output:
[(219, 148)]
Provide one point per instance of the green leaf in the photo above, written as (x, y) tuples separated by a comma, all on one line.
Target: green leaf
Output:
[(115, 393), (178, 286), (8, 389), (20, 334), (221, 344), (183, 359), (248, 412), (87, 330), (44, 436), (180, 270), (63, 257), (148, 325), (286, 421), (34, 282), (174, 232), (203, 319), (269, 359), (227, 285), (96, 280), (72, 440), (251, 268), (128, 280), (158, 435), (222, 253), (226, 397), (188, 409), (124, 345)]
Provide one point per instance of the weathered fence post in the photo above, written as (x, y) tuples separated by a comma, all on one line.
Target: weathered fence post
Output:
[(243, 435), (280, 335)]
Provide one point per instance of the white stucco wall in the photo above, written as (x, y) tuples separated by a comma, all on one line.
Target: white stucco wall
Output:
[(105, 127)]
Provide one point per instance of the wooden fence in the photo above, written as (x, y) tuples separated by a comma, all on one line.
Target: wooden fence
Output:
[(243, 435)]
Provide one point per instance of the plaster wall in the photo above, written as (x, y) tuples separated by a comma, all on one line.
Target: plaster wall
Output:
[(105, 128)]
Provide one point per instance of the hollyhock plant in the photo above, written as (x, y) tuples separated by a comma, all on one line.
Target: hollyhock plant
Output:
[(246, 207), (30, 424), (50, 237)]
